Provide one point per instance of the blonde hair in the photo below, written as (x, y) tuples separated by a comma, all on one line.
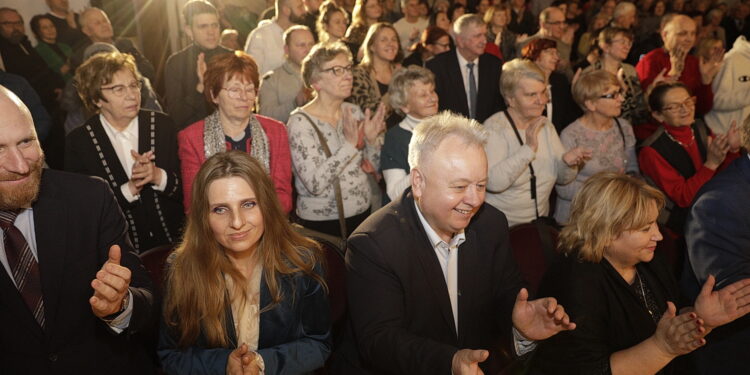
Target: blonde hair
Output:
[(591, 85), (374, 30), (607, 205), (197, 299), (321, 53), (428, 135)]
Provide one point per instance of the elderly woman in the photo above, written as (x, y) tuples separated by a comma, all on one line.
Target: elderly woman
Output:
[(497, 18), (332, 22), (610, 139), (332, 143), (366, 13), (524, 152), (433, 41), (55, 54), (412, 93), (678, 157), (231, 84), (619, 291), (561, 107), (244, 292), (133, 149), (614, 44), (372, 75)]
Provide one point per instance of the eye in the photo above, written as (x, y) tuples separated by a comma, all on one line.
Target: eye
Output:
[(481, 186), (249, 204), (219, 210)]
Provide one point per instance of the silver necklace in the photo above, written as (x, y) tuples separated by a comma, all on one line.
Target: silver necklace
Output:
[(643, 293)]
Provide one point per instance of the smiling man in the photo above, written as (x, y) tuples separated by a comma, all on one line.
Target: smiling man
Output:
[(432, 285), (72, 290)]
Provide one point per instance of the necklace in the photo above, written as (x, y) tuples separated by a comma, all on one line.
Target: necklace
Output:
[(643, 293), (692, 138)]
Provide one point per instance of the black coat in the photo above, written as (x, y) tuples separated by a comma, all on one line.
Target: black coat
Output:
[(398, 301), (76, 220), (156, 218), (449, 85), (564, 109)]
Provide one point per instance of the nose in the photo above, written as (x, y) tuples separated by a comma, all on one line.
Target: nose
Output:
[(474, 196), (656, 235), (238, 221), (15, 162)]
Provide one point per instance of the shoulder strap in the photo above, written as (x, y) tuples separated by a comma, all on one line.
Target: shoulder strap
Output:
[(622, 134), (336, 183), (532, 180)]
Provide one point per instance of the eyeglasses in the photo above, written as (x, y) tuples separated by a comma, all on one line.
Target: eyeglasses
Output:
[(339, 70), (613, 95), (236, 92), (689, 103), (120, 90), (11, 23)]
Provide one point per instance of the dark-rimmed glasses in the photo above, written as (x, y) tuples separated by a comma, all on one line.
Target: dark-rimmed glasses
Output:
[(120, 90), (339, 70), (689, 103), (613, 95)]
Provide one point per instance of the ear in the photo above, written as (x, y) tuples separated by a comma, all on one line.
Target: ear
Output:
[(658, 116), (405, 109), (417, 183), (590, 106), (286, 50), (188, 31)]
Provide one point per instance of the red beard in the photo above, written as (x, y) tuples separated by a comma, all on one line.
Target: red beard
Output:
[(22, 194)]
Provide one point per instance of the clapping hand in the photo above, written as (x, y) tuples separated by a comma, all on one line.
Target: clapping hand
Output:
[(466, 362), (110, 286), (541, 318), (723, 306), (681, 334), (200, 71), (733, 137), (374, 124), (242, 361), (710, 66), (144, 170), (677, 60), (576, 156)]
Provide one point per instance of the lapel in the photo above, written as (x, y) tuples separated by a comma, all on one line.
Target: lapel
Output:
[(457, 81), (468, 278), (111, 161), (428, 260), (13, 302), (49, 223)]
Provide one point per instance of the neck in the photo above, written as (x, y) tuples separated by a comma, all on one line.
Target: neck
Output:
[(325, 106), (118, 123), (610, 64), (596, 121), (244, 261), (627, 272), (60, 13), (547, 73), (497, 29), (284, 22), (380, 65), (412, 19), (469, 56), (522, 122), (232, 126)]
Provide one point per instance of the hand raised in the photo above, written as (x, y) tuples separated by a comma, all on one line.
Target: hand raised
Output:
[(351, 128), (200, 71), (718, 147), (541, 318), (576, 156), (678, 335), (466, 362), (709, 67), (375, 124), (723, 306), (532, 133), (110, 286), (733, 137)]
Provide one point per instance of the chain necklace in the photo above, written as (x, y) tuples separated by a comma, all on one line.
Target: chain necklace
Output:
[(692, 138), (643, 292)]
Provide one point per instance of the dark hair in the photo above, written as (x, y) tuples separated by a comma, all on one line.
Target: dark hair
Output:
[(195, 7), (659, 91), (430, 35), (452, 9), (226, 66), (433, 18), (35, 27), (532, 50)]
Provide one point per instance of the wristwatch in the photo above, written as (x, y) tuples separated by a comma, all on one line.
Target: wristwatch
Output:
[(124, 306)]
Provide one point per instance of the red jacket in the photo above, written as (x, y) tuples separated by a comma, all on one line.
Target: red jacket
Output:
[(192, 156)]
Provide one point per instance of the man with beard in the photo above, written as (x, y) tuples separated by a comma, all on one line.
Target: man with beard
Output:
[(21, 58), (72, 291), (183, 75), (266, 43)]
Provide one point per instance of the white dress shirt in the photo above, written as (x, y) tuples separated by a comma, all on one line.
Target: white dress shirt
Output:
[(266, 45), (465, 74)]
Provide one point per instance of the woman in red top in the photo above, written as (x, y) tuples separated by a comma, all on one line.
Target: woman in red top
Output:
[(681, 156), (231, 84)]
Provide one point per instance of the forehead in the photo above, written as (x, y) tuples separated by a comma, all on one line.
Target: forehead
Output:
[(339, 60), (454, 159), (677, 94), (682, 24), (555, 15), (205, 18), (123, 75), (226, 189), (386, 32), (9, 15), (15, 122), (299, 36), (529, 85), (473, 29)]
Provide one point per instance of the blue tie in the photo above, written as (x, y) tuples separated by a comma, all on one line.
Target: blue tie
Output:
[(472, 92)]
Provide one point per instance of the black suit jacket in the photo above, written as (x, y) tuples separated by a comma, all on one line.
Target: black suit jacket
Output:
[(564, 109), (449, 85), (399, 306), (156, 218), (76, 220)]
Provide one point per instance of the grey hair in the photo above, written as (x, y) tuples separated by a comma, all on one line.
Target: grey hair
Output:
[(432, 131), (546, 13), (514, 71), (320, 54), (463, 22), (403, 80), (623, 8)]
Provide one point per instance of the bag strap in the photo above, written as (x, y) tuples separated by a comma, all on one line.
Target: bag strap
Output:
[(336, 182), (622, 134), (531, 167)]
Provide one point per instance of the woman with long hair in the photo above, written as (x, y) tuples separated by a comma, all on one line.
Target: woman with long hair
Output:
[(365, 14), (332, 22), (382, 54), (244, 291)]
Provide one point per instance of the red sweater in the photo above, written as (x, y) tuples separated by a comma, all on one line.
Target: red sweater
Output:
[(679, 189), (192, 156)]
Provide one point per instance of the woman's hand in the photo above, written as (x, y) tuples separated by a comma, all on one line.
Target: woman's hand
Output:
[(351, 128), (576, 156), (723, 306), (200, 71), (718, 147), (677, 60), (532, 133), (733, 136), (374, 125), (678, 335), (242, 361), (710, 67), (144, 170)]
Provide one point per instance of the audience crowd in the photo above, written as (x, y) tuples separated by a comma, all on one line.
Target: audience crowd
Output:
[(393, 134)]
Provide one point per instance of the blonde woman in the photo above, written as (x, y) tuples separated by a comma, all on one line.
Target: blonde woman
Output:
[(382, 54)]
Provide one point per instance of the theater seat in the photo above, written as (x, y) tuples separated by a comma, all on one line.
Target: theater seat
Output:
[(533, 252), (154, 259)]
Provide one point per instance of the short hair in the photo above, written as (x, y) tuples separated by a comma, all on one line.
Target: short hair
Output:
[(320, 54), (292, 29), (608, 34), (429, 133), (659, 91), (534, 48), (466, 20), (83, 17), (623, 8), (490, 13), (592, 84), (36, 28), (514, 71), (403, 80), (195, 7), (98, 71), (327, 10), (226, 66), (546, 13), (374, 30), (607, 205)]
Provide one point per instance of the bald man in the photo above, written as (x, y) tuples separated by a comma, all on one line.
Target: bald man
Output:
[(72, 291)]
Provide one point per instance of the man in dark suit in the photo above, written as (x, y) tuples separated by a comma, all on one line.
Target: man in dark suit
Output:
[(72, 292), (467, 80), (718, 241), (431, 282), (736, 23)]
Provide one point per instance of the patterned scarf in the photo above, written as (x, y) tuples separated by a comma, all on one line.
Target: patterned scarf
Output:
[(214, 139)]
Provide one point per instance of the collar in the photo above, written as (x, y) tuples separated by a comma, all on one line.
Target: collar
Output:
[(433, 237), (409, 123), (130, 131), (462, 61), (292, 68)]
